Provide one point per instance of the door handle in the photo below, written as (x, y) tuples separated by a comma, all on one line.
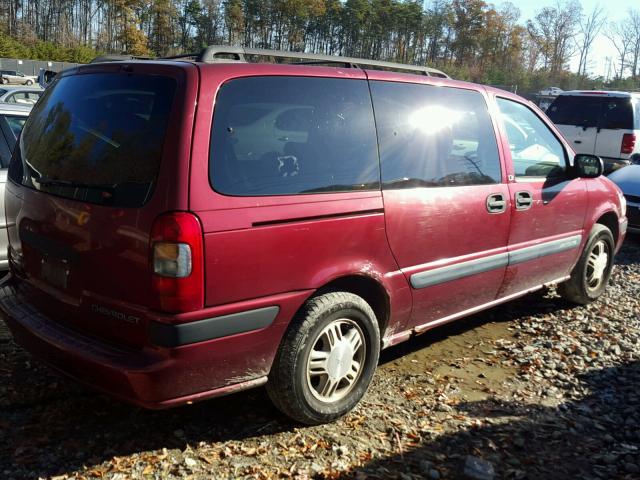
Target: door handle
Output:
[(524, 200), (577, 141), (496, 203)]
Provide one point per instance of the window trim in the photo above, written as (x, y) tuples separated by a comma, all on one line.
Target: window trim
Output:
[(507, 152)]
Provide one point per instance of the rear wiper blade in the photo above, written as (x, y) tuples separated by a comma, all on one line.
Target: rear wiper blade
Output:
[(71, 184)]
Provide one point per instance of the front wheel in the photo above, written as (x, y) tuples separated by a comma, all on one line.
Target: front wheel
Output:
[(591, 274), (326, 360)]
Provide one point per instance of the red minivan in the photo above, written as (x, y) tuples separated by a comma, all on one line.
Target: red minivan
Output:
[(181, 229)]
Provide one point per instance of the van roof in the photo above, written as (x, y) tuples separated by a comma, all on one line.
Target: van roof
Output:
[(598, 93)]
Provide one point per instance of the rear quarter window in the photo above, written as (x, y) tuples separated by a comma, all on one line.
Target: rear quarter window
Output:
[(293, 135), (96, 138)]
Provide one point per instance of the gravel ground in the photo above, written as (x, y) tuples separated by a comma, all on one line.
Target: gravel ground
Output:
[(533, 389)]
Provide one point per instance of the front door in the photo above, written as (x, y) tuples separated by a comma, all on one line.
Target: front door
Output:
[(446, 204), (548, 206)]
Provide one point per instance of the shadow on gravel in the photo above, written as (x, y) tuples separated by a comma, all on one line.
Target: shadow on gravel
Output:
[(84, 428), (597, 436)]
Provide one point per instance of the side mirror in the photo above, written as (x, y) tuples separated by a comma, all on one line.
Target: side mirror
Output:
[(635, 159), (588, 166)]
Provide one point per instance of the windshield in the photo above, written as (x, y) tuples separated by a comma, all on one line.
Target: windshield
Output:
[(96, 138)]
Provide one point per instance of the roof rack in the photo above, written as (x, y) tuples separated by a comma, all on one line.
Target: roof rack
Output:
[(227, 54), (117, 58), (222, 53)]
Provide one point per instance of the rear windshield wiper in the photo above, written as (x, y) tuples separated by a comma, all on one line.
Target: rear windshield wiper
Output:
[(53, 182)]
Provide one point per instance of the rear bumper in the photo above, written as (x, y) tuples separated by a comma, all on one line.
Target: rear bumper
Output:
[(152, 377)]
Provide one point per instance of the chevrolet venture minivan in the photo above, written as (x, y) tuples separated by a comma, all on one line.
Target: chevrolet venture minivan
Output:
[(183, 229)]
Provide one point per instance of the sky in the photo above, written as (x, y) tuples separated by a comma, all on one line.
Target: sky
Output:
[(602, 48)]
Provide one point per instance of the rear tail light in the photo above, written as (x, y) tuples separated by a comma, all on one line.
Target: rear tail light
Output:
[(177, 259), (628, 143)]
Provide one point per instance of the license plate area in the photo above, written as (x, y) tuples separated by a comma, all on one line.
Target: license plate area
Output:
[(55, 272)]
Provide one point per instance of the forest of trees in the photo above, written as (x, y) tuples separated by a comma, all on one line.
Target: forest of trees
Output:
[(469, 39)]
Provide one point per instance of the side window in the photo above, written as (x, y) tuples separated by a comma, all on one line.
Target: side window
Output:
[(535, 150), (617, 113), (27, 98), (290, 135), (15, 123), (434, 136)]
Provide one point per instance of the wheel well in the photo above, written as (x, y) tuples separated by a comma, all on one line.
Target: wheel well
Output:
[(610, 220), (370, 290)]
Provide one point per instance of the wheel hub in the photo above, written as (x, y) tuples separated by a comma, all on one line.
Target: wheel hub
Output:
[(597, 264), (336, 360), (339, 361)]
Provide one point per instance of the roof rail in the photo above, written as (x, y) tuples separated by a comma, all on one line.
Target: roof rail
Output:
[(227, 54), (117, 58), (222, 53)]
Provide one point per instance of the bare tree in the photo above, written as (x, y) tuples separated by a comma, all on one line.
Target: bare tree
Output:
[(633, 20), (590, 27), (621, 36)]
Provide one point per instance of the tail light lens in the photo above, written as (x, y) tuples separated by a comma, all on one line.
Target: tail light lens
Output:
[(177, 259), (628, 143)]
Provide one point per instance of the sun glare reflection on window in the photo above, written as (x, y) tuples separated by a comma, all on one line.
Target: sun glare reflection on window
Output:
[(434, 118)]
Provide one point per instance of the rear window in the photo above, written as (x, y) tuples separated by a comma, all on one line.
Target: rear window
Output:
[(574, 110), (291, 135), (96, 138)]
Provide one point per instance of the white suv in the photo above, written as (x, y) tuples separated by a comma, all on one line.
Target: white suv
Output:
[(606, 124)]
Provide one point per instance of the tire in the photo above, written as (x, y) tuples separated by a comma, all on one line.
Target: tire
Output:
[(591, 274), (330, 387), (29, 82), (5, 81)]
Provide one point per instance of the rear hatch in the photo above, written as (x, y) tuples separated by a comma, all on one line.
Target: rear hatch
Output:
[(577, 116), (101, 156)]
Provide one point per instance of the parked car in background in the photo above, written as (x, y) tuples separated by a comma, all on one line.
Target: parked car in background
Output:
[(183, 230), (12, 119), (550, 91), (20, 95), (45, 77), (628, 179), (606, 124), (16, 77)]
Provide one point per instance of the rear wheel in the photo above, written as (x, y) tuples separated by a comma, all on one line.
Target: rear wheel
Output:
[(29, 82), (591, 274), (326, 360)]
